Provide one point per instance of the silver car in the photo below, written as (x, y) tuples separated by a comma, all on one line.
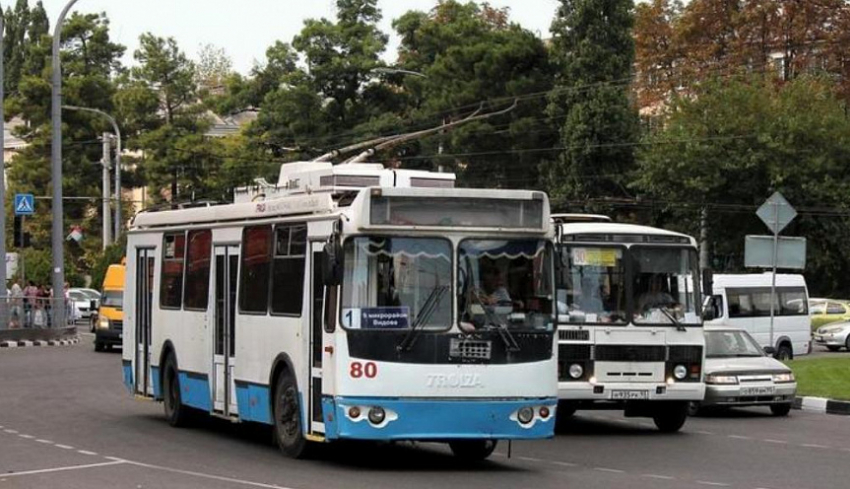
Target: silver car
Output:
[(739, 373), (834, 336)]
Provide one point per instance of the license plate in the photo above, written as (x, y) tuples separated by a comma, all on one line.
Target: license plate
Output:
[(629, 394), (758, 391)]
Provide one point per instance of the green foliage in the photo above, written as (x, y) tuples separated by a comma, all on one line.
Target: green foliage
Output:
[(594, 51), (112, 255), (737, 141), (38, 267)]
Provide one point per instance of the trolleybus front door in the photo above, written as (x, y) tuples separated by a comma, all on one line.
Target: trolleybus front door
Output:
[(317, 301), (224, 341), (144, 302)]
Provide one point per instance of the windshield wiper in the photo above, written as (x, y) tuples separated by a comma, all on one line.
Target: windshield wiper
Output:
[(672, 318), (422, 315), (510, 342)]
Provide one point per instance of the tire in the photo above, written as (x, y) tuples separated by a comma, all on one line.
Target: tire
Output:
[(177, 414), (288, 432), (847, 343), (564, 413), (98, 346), (784, 353), (780, 409), (695, 408), (472, 450), (834, 348), (671, 418)]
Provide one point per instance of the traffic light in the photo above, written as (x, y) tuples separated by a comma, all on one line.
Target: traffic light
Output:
[(18, 234)]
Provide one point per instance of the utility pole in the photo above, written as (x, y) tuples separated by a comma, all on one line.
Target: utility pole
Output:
[(106, 162), (58, 241), (4, 310)]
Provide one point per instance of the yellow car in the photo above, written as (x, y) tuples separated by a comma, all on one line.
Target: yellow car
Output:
[(825, 311)]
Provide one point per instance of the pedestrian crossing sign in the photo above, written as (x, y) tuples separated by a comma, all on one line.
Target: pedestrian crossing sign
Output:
[(24, 205)]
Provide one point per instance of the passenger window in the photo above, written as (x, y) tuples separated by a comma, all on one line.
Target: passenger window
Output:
[(288, 269), (196, 293), (740, 304), (761, 303), (835, 308), (792, 301), (171, 286), (256, 263)]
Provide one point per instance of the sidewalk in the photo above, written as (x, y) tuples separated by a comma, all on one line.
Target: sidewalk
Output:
[(822, 405), (27, 343)]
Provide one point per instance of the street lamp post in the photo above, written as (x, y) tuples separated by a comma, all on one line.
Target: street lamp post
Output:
[(117, 132), (3, 304), (56, 165)]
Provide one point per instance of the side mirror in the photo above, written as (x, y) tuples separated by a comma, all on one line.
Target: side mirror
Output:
[(769, 350), (707, 283), (709, 309), (332, 262)]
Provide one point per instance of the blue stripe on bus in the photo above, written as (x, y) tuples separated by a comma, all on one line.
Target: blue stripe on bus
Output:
[(155, 378), (427, 419), (253, 402), (195, 390), (128, 374)]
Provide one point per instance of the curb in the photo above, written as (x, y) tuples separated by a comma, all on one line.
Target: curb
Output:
[(822, 405), (26, 343)]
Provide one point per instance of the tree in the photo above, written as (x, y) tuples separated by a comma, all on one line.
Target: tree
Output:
[(730, 146), (213, 68), (594, 51)]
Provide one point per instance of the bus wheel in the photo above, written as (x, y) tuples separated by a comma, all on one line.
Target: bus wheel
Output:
[(784, 353), (565, 412), (472, 450), (287, 418), (175, 412), (671, 418), (98, 346)]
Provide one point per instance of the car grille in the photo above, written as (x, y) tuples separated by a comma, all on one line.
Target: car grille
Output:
[(631, 353)]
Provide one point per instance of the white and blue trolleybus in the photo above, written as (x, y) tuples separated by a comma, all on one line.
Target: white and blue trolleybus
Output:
[(629, 320), (349, 302)]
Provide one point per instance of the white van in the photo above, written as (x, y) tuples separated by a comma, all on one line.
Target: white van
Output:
[(744, 301)]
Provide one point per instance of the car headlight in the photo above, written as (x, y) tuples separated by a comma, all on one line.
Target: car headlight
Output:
[(721, 379), (103, 322), (783, 377)]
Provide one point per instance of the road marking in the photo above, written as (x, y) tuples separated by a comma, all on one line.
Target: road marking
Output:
[(205, 476), (709, 483), (530, 459), (613, 471), (44, 441), (739, 437), (61, 469), (564, 464), (656, 476), (11, 432), (64, 447), (28, 437), (704, 432), (810, 445), (775, 441), (86, 452)]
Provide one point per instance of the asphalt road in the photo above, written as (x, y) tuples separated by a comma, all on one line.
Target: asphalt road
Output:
[(66, 421)]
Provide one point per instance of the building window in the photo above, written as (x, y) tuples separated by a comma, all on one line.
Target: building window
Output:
[(288, 269), (196, 293), (256, 262), (173, 252)]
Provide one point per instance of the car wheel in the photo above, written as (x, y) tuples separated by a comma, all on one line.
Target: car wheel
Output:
[(472, 450), (784, 353), (847, 342), (780, 409), (834, 348), (695, 408), (671, 418), (177, 414), (98, 346), (287, 418)]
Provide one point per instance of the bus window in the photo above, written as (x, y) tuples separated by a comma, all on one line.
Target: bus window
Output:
[(288, 269), (256, 261), (171, 290), (196, 293)]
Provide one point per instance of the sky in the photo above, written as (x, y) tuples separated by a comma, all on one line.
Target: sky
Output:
[(245, 28)]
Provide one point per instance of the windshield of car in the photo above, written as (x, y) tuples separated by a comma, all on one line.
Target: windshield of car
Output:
[(817, 307), (592, 285), (724, 344), (112, 298), (76, 295), (388, 281), (505, 283), (663, 285)]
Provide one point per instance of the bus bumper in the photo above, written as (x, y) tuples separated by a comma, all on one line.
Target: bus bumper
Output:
[(431, 419), (631, 391)]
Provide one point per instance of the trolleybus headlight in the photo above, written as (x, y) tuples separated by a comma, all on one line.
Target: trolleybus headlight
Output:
[(377, 415), (354, 412), (525, 415), (544, 412), (576, 371), (680, 372)]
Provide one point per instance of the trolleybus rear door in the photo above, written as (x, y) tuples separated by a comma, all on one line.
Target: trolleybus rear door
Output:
[(224, 315), (144, 302)]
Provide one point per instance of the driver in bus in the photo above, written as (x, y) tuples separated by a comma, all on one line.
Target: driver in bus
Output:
[(656, 297), (493, 290)]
